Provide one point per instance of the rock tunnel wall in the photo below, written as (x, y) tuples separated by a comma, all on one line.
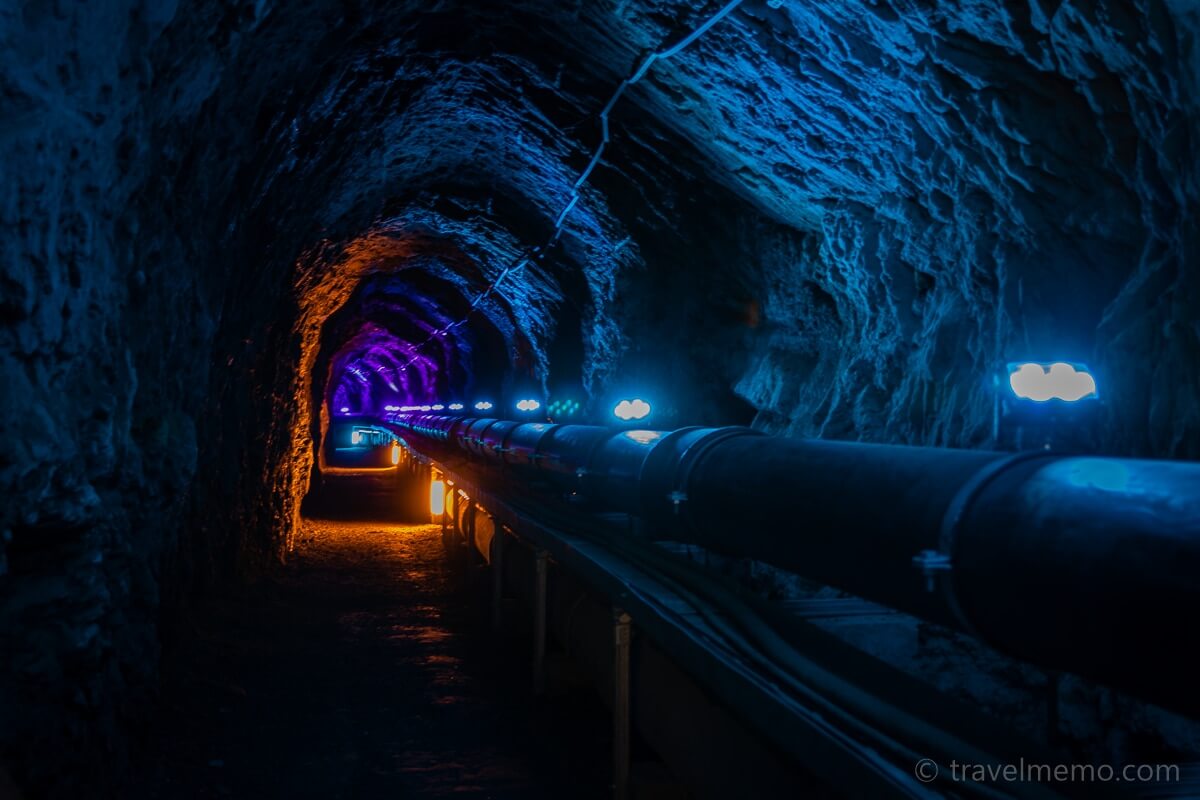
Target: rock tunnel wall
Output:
[(833, 218)]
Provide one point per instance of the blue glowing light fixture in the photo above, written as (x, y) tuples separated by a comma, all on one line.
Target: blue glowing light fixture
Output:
[(483, 405), (1057, 381), (529, 404), (632, 409), (563, 408)]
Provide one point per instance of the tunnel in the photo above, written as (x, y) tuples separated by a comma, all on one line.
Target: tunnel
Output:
[(599, 398)]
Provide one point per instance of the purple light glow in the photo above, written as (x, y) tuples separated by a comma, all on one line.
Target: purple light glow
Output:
[(402, 341), (376, 369)]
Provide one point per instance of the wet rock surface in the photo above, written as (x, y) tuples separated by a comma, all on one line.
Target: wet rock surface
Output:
[(363, 669)]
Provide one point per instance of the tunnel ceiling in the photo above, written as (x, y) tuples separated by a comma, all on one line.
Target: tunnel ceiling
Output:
[(825, 218), (866, 206), (897, 189)]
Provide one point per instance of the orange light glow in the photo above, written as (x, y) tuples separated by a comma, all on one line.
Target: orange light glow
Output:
[(354, 470), (437, 497)]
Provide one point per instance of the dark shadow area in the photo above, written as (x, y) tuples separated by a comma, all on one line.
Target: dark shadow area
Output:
[(384, 495), (364, 669)]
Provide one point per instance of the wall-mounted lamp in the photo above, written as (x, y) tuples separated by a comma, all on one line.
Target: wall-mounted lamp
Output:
[(1047, 405), (437, 495), (1060, 380), (563, 408), (632, 409)]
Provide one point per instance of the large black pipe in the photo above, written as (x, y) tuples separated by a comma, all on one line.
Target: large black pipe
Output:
[(1084, 564)]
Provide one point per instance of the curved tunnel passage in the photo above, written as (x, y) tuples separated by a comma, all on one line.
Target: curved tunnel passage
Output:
[(224, 222), (397, 342)]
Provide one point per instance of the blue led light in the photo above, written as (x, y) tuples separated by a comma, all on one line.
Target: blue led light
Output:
[(1057, 381), (632, 409), (563, 407)]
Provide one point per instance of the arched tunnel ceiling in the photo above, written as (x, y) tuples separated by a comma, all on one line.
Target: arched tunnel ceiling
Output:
[(829, 218), (835, 218), (930, 173)]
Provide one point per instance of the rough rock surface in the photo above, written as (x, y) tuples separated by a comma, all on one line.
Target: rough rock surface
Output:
[(836, 218)]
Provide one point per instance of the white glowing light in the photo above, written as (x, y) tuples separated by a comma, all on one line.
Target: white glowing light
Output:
[(1058, 381), (483, 405), (437, 497), (437, 407), (356, 437), (643, 437), (426, 408), (528, 405), (632, 409), (345, 409), (455, 406), (395, 453)]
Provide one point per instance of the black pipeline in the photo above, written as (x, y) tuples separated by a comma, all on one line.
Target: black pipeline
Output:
[(1084, 564)]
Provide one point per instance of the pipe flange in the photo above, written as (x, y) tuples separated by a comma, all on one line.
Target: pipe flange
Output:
[(691, 456), (952, 520)]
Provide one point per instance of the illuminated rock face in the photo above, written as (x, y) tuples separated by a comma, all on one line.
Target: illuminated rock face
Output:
[(832, 218)]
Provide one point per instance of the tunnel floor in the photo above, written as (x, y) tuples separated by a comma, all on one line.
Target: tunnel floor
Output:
[(364, 669)]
